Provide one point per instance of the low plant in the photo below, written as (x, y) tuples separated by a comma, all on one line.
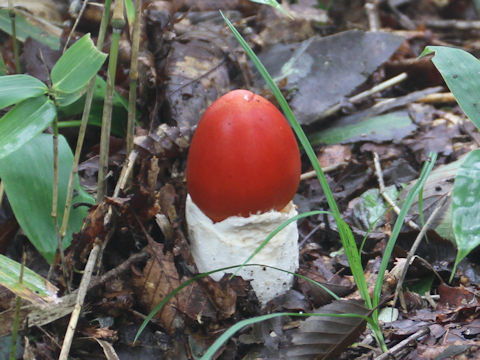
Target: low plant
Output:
[(34, 179)]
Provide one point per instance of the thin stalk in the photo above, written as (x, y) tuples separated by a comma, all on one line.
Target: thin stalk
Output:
[(55, 170), (12, 14), (83, 125), (16, 320), (118, 23), (132, 99)]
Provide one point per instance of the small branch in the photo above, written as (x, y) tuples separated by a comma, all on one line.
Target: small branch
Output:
[(453, 24), (74, 27), (312, 174), (371, 8), (365, 94), (390, 354), (381, 186), (438, 98), (82, 292)]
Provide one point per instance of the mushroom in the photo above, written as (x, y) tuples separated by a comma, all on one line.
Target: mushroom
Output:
[(243, 169)]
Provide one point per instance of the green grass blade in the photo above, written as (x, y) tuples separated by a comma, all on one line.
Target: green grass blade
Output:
[(427, 168), (241, 324)]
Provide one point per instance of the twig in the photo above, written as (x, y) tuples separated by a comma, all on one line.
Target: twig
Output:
[(126, 172), (312, 174), (438, 98), (74, 27), (415, 245), (453, 24), (381, 186), (82, 292), (371, 8), (403, 344), (99, 280), (365, 94)]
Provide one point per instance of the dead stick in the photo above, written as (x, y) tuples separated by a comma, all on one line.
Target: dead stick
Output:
[(403, 344), (82, 292)]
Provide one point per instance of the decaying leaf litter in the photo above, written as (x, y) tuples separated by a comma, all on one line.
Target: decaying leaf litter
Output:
[(326, 62)]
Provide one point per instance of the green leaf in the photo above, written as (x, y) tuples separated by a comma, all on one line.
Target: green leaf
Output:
[(23, 122), (33, 288), (16, 88), (76, 67), (27, 175), (130, 10), (275, 5), (460, 71), (466, 206), (119, 109), (27, 28)]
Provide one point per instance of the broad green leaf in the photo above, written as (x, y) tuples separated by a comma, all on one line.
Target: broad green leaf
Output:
[(76, 67), (16, 88), (466, 206), (460, 71), (27, 175), (33, 288), (23, 122), (119, 114), (29, 28)]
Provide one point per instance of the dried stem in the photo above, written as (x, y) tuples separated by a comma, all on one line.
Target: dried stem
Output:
[(82, 292), (365, 94)]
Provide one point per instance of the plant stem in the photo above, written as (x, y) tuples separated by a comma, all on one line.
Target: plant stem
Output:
[(133, 77), (12, 14), (83, 125), (118, 23)]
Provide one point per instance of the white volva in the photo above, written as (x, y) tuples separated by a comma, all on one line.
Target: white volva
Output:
[(233, 240)]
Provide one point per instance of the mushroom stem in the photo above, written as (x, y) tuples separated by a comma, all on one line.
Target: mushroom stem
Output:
[(233, 240)]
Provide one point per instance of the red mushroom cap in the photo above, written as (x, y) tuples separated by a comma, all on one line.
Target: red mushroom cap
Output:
[(243, 158)]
